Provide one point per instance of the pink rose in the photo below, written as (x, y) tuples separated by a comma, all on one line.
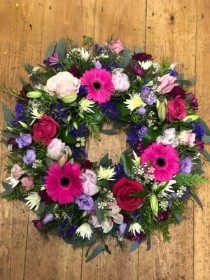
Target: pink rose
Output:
[(167, 83), (187, 137), (176, 109), (64, 83), (89, 182), (115, 46), (55, 148), (16, 171), (120, 80), (27, 183)]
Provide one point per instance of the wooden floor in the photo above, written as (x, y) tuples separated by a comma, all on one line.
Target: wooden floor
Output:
[(179, 29)]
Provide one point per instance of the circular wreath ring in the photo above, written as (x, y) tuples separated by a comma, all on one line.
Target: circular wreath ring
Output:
[(70, 97)]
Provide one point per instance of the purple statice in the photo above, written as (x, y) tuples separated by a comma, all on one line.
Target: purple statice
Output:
[(82, 91), (59, 111), (20, 113), (85, 202), (198, 129), (29, 157), (142, 56), (173, 73), (147, 95), (136, 134), (79, 153), (193, 102), (110, 110), (141, 111), (66, 230), (199, 145), (119, 172), (81, 131), (24, 140), (48, 218), (186, 165)]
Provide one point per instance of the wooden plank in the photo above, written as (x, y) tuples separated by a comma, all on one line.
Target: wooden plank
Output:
[(202, 220), (18, 36), (171, 31)]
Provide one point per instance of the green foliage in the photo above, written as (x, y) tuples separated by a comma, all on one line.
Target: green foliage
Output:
[(189, 180)]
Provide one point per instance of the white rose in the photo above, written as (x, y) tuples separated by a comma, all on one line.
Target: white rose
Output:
[(55, 148), (64, 83)]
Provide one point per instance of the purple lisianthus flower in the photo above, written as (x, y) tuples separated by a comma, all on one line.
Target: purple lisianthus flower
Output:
[(85, 202), (38, 224), (48, 218), (164, 215), (137, 70), (53, 59), (122, 228), (147, 95), (97, 64), (141, 111), (24, 140), (29, 157), (142, 132), (186, 165), (173, 73)]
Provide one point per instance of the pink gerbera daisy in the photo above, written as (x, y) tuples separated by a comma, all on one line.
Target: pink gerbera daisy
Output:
[(164, 160), (64, 184), (99, 84)]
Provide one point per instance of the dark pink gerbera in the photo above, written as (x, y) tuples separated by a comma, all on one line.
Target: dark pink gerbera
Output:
[(99, 85), (164, 160), (64, 184)]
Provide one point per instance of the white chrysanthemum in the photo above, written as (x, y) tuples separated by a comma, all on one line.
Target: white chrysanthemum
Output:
[(105, 173), (136, 159), (168, 188), (146, 64), (135, 228), (134, 102), (84, 231), (84, 54), (33, 200), (12, 181), (85, 105)]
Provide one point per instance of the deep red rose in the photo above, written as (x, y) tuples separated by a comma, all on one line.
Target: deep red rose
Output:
[(176, 109), (45, 129), (122, 191)]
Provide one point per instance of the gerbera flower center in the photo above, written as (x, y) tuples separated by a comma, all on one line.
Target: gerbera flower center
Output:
[(65, 181), (96, 85), (161, 162)]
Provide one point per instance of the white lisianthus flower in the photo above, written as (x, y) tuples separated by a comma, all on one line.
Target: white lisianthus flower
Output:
[(33, 200), (84, 231), (168, 138), (134, 102), (135, 228), (55, 148), (106, 173)]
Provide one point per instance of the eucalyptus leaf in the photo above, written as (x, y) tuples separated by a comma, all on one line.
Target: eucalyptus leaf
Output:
[(109, 131), (99, 249), (6, 193), (203, 123), (61, 48), (151, 135), (41, 209), (206, 138), (134, 246), (6, 186), (99, 211), (177, 216), (197, 199), (149, 243), (7, 114), (105, 161), (51, 49), (206, 154), (127, 163)]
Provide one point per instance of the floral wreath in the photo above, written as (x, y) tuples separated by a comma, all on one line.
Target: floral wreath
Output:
[(71, 96)]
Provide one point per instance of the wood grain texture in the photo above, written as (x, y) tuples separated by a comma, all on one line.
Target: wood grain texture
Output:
[(177, 29)]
